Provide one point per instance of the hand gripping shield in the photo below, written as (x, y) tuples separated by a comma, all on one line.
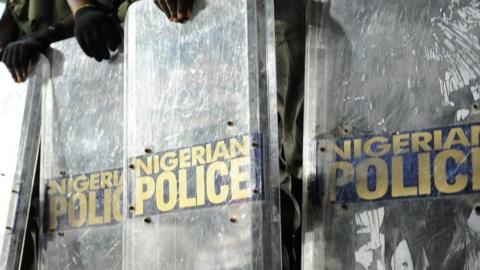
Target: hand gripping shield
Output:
[(81, 181), (201, 138), (19, 143), (392, 128)]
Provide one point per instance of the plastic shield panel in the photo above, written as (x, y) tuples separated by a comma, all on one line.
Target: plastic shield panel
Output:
[(392, 157), (20, 116), (201, 138), (82, 151)]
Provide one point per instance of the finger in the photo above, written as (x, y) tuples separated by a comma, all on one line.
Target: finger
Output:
[(92, 46), (172, 8), (111, 39), (6, 57), (163, 6), (158, 5), (190, 8), (184, 9), (14, 75), (21, 75), (18, 77), (24, 73), (101, 48), (82, 42), (119, 31), (15, 58), (23, 58)]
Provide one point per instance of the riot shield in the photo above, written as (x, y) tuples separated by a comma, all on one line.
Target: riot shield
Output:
[(392, 126), (201, 138), (20, 115), (82, 151)]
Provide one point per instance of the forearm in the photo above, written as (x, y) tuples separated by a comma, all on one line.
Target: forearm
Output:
[(68, 25), (9, 30), (56, 32)]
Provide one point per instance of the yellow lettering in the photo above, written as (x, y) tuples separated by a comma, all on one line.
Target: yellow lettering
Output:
[(200, 175), (382, 146), (401, 144), (143, 168), (421, 142), (184, 158), (441, 180), (398, 187), (216, 169), (437, 140), (58, 207), (381, 179), (94, 181), (424, 174), (357, 145), (80, 184), (198, 155), (117, 178), (340, 179), (346, 152), (456, 136), (208, 152), (475, 135), (156, 164), (169, 161), (92, 209), (117, 204), (166, 177), (55, 187), (70, 185), (476, 168), (240, 149), (184, 200), (107, 206), (240, 176), (220, 152), (81, 200), (144, 190), (106, 180)]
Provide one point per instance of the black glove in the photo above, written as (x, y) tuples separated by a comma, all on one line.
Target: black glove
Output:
[(97, 33), (19, 54)]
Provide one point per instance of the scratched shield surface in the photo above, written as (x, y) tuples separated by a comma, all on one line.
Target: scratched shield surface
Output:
[(206, 84), (392, 120), (19, 144), (81, 156)]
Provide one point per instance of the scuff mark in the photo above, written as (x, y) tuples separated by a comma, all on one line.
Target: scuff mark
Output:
[(455, 43)]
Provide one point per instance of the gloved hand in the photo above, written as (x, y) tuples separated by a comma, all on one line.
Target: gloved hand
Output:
[(176, 10), (97, 33), (9, 32), (18, 55)]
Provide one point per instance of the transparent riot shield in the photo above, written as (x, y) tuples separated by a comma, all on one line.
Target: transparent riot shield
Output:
[(20, 114), (82, 151), (392, 129), (201, 138)]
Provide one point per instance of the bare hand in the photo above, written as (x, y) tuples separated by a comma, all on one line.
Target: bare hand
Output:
[(176, 10)]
